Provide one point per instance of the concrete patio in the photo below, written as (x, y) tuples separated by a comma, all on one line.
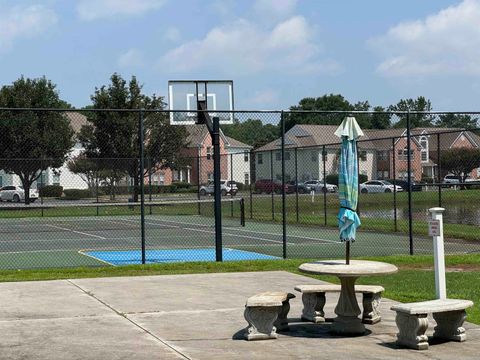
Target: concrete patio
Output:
[(183, 317)]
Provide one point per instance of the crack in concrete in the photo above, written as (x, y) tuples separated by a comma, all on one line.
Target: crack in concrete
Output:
[(171, 347)]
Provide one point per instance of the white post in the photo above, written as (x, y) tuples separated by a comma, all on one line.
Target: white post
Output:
[(312, 192), (436, 231)]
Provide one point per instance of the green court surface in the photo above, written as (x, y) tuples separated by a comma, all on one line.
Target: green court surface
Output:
[(64, 241)]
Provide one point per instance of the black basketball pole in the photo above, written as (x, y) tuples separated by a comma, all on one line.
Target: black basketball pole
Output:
[(217, 191)]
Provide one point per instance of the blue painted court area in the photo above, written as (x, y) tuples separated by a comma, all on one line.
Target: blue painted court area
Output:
[(131, 257)]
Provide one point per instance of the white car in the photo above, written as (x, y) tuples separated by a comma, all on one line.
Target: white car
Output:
[(453, 179), (318, 186), (378, 186), (226, 187), (16, 194)]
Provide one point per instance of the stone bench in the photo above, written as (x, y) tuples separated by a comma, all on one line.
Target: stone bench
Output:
[(266, 313), (313, 298), (412, 321)]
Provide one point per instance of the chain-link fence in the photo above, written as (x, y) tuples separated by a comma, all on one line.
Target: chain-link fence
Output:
[(97, 187)]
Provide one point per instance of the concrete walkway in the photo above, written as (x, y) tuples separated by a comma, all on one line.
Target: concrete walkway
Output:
[(182, 317)]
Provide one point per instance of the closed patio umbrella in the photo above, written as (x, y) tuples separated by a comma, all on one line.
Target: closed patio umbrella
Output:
[(348, 221)]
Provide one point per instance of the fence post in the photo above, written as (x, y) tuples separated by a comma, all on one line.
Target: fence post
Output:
[(439, 171), (252, 167), (409, 179), (324, 161), (231, 183), (272, 185), (149, 165), (41, 184), (96, 185), (394, 175), (142, 185), (284, 210), (296, 185), (198, 182)]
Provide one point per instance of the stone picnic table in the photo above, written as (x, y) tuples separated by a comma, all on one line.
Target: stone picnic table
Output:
[(347, 321)]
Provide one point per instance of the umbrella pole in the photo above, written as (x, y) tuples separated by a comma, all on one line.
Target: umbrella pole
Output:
[(347, 252)]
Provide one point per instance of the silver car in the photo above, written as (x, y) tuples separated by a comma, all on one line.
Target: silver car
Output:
[(226, 187), (318, 186), (16, 194), (379, 186)]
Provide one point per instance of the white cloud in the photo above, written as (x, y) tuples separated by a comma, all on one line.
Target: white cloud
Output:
[(131, 58), (172, 34), (447, 42), (98, 9), (24, 22), (244, 47), (275, 8), (265, 97)]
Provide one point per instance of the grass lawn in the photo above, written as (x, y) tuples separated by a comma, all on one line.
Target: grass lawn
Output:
[(414, 282)]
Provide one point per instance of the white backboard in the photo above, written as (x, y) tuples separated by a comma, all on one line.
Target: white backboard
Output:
[(183, 94)]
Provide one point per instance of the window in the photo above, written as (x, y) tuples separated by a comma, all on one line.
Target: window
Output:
[(382, 155), (210, 176), (362, 155), (382, 174), (403, 154), (287, 155), (161, 178), (424, 151), (260, 159), (247, 178), (314, 156), (278, 177), (245, 155), (278, 156), (175, 175), (209, 152), (56, 179)]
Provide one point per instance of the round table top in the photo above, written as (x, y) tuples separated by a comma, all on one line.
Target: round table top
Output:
[(356, 268)]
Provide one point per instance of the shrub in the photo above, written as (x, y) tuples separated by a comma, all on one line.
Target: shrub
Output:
[(182, 185), (51, 191), (362, 178), (76, 194)]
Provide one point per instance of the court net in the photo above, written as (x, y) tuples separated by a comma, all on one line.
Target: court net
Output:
[(86, 217)]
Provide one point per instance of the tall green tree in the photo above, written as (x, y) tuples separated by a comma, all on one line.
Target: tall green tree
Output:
[(32, 141), (420, 104), (113, 137), (379, 119), (457, 121), (252, 132)]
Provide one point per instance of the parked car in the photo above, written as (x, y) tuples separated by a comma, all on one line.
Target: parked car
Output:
[(292, 187), (268, 186), (453, 179), (16, 194), (379, 186), (226, 187), (404, 184), (319, 186)]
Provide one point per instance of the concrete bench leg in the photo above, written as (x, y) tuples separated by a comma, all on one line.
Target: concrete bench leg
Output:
[(411, 330), (313, 304), (371, 312), (282, 323), (449, 325), (260, 321)]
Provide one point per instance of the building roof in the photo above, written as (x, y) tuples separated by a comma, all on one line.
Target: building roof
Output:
[(303, 136), (231, 142), (77, 120)]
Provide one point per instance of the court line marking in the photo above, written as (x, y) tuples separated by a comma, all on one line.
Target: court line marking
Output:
[(76, 232), (95, 258), (243, 236)]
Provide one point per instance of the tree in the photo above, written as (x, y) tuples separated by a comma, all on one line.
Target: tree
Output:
[(112, 137), (460, 161), (88, 171), (420, 104), (32, 141), (252, 132), (380, 119), (329, 102), (457, 121)]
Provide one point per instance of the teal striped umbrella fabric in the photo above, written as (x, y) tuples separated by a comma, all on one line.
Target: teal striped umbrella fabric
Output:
[(348, 221)]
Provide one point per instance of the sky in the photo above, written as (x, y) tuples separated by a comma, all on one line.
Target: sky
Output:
[(276, 51)]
